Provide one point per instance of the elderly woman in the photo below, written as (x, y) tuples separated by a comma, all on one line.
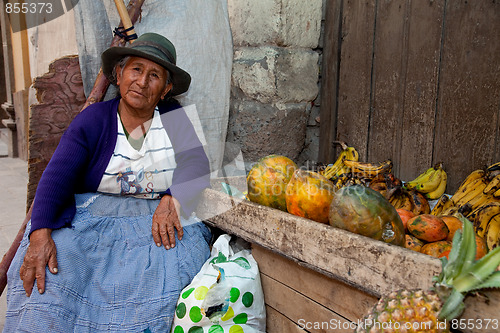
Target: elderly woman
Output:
[(113, 238)]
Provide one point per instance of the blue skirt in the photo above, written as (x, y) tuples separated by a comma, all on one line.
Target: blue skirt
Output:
[(112, 277)]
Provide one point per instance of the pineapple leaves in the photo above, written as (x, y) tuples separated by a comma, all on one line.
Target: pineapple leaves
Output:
[(462, 254), (493, 281), (453, 307), (479, 272)]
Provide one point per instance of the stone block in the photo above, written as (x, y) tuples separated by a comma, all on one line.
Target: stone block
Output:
[(293, 23), (275, 74), (264, 129), (255, 22), (301, 22)]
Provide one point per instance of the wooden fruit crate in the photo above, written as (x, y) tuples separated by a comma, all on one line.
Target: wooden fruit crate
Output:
[(317, 278)]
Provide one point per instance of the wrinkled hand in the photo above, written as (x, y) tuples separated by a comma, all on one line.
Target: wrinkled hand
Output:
[(40, 253), (165, 219)]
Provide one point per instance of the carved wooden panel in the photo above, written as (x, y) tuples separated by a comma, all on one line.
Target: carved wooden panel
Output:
[(60, 98)]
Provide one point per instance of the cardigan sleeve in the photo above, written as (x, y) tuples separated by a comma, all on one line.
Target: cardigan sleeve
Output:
[(192, 174)]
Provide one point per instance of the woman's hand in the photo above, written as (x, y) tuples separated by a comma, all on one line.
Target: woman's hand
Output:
[(165, 219), (40, 253)]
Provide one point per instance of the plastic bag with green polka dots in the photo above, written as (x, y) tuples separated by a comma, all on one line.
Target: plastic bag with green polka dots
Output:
[(225, 296)]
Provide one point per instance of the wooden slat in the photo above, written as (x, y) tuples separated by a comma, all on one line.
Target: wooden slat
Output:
[(389, 68), (301, 310), (347, 301), (329, 80), (358, 24), (356, 260), (469, 88), (421, 85), (276, 322)]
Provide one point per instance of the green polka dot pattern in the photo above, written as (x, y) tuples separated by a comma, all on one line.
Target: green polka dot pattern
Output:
[(234, 294), (247, 299), (241, 318), (216, 329), (187, 293), (195, 314), (196, 329), (181, 310), (178, 329)]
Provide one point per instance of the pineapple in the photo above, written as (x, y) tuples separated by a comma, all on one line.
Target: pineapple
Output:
[(433, 310)]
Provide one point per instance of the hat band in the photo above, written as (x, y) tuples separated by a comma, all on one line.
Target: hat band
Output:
[(158, 47)]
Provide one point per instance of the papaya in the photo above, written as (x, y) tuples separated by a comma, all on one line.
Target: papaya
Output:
[(405, 215), (436, 249), (309, 194), (453, 223), (428, 228), (481, 249), (413, 243), (364, 211), (267, 180)]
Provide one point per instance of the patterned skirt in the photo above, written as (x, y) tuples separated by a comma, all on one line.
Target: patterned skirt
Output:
[(112, 277)]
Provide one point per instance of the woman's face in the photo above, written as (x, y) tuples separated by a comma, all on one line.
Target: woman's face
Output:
[(142, 84)]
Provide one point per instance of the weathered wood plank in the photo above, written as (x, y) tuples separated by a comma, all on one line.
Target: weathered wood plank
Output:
[(301, 310), (60, 98), (276, 322), (358, 24), (329, 80), (389, 69), (356, 260), (469, 88), (347, 301), (421, 85)]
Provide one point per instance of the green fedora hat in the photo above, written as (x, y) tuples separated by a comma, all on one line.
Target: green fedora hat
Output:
[(154, 47)]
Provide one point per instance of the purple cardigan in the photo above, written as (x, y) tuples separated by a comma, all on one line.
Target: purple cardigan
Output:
[(85, 149)]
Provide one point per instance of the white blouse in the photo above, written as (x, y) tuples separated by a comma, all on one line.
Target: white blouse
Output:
[(142, 173)]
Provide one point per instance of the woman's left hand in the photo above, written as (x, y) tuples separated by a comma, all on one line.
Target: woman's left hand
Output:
[(165, 221)]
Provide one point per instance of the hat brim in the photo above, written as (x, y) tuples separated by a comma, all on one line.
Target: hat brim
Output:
[(179, 78)]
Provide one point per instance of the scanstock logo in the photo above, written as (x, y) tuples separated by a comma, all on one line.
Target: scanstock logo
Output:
[(25, 14)]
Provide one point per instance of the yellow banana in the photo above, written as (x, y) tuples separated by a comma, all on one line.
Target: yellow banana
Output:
[(444, 202), (347, 153), (493, 233), (423, 177), (439, 191), (369, 170), (484, 215), (475, 191), (493, 185), (494, 167), (497, 193), (473, 176), (432, 183), (459, 198)]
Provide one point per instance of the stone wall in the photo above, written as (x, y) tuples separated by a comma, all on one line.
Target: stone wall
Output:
[(275, 78)]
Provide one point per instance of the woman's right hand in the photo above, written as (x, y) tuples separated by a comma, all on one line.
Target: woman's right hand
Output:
[(40, 253)]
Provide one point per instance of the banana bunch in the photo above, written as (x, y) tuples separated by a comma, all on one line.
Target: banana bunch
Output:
[(366, 170), (338, 168), (487, 223), (478, 199), (410, 200), (432, 182)]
